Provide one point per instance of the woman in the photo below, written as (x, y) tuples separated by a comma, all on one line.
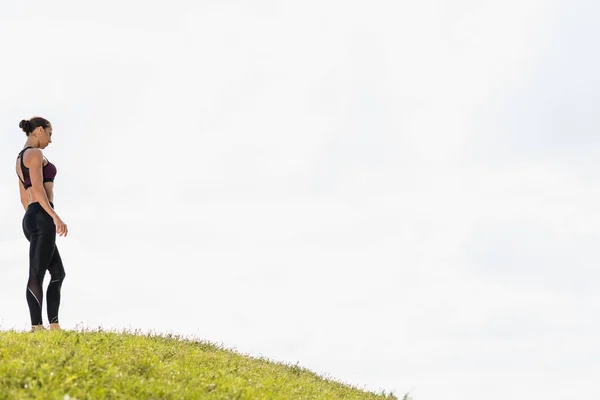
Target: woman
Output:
[(40, 223)]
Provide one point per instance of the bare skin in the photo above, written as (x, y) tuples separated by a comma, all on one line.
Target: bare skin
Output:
[(39, 192), (53, 327), (35, 328)]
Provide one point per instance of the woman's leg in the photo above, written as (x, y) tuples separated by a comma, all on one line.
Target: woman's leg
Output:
[(41, 233), (35, 296), (57, 275)]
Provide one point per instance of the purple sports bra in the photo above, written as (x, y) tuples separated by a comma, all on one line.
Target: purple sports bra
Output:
[(48, 171)]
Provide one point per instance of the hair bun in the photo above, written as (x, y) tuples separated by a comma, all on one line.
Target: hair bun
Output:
[(25, 125)]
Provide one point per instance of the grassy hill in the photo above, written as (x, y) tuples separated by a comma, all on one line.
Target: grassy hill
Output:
[(97, 364)]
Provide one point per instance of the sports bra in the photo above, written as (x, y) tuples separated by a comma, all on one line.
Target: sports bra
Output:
[(48, 171)]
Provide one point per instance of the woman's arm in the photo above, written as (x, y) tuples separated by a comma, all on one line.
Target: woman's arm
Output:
[(37, 182), (37, 185)]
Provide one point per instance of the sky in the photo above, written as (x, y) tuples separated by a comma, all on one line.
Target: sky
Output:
[(397, 195)]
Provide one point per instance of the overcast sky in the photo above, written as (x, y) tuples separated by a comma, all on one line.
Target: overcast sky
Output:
[(399, 195)]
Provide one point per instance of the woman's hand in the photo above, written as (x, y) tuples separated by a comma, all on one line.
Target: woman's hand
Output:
[(61, 227)]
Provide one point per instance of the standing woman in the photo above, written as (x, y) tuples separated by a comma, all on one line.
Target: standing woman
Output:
[(40, 223)]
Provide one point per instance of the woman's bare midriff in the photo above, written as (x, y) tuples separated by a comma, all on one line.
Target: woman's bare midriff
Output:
[(48, 187)]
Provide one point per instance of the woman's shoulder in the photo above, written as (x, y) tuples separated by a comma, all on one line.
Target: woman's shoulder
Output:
[(32, 153), (32, 150)]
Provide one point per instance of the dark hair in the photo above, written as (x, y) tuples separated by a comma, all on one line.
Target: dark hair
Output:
[(29, 125)]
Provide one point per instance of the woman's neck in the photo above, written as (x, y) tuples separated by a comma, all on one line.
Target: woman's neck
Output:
[(32, 142)]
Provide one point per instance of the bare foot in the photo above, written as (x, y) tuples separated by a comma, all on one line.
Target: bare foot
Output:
[(35, 328), (55, 327)]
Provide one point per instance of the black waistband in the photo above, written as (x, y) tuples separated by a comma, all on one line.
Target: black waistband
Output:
[(38, 205)]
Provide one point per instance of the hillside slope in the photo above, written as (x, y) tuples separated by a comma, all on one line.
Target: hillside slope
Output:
[(98, 364)]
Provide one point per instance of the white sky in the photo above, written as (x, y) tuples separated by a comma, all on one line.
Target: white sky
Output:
[(400, 195)]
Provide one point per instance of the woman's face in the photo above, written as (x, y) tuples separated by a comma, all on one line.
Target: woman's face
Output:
[(44, 135)]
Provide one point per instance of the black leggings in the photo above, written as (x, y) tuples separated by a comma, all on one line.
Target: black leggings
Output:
[(40, 230)]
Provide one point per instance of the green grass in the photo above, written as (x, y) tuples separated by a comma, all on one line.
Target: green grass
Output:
[(123, 365)]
